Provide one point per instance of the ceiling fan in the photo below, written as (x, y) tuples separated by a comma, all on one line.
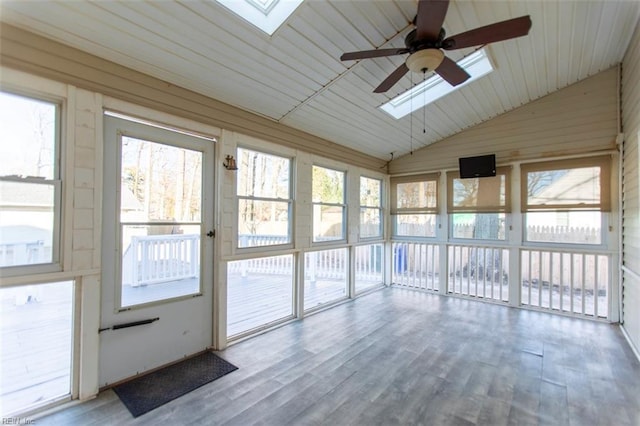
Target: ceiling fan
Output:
[(425, 43)]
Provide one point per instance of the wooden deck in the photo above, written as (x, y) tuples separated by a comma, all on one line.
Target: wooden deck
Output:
[(259, 299), (35, 346), (406, 357)]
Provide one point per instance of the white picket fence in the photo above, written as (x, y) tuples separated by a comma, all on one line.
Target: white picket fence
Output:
[(564, 234)]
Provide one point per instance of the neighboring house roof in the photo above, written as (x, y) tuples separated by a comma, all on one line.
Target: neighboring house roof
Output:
[(17, 194), (24, 234)]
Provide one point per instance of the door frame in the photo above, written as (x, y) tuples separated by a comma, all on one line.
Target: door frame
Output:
[(204, 299)]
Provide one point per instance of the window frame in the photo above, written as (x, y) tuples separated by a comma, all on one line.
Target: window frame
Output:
[(342, 205), (395, 211), (289, 201), (379, 208), (56, 182)]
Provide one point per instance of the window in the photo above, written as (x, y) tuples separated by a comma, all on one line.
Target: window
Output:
[(477, 206), (259, 292), (30, 185), (329, 207), (414, 205), (368, 266), (563, 201), (264, 199), (370, 207), (36, 326), (325, 277), (267, 15)]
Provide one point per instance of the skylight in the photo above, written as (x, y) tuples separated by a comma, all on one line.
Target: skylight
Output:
[(267, 15), (477, 65)]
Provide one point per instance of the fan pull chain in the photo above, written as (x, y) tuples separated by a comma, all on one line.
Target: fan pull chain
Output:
[(411, 118), (424, 103)]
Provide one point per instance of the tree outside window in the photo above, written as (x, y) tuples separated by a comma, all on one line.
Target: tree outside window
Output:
[(264, 199), (414, 205), (329, 208), (370, 207)]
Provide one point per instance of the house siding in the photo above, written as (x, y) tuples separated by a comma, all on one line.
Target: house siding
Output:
[(579, 119), (630, 105)]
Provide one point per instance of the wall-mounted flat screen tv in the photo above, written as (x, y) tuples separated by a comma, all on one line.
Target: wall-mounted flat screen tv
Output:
[(475, 167)]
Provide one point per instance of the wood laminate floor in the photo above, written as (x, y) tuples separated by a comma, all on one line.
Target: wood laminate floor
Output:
[(405, 357)]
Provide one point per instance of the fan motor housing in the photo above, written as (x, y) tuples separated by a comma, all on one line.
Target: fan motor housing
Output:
[(414, 44)]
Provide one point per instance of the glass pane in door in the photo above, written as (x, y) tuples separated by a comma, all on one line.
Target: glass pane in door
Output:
[(159, 182), (160, 221)]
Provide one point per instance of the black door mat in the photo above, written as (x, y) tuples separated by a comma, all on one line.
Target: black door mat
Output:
[(152, 390)]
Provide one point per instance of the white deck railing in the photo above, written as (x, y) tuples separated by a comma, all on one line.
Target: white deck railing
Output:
[(153, 259), (570, 281), (321, 264)]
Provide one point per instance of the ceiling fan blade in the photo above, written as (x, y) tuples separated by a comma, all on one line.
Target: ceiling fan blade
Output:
[(377, 53), (499, 31), (392, 79), (452, 72), (430, 17)]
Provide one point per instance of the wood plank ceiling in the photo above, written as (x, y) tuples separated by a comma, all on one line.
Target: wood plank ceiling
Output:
[(296, 77)]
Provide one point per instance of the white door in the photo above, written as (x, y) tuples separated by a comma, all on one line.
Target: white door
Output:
[(156, 263)]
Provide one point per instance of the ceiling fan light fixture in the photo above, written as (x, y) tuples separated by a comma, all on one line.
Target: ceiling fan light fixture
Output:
[(425, 60), (435, 87)]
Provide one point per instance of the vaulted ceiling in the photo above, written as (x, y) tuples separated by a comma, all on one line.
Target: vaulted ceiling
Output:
[(295, 76)]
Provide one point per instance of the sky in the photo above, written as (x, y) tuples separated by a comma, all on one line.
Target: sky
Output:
[(21, 119)]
